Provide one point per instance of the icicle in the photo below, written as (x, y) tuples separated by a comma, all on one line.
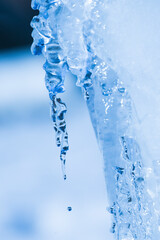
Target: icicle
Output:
[(46, 42), (132, 207)]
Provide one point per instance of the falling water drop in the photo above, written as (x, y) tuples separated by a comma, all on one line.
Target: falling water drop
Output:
[(69, 209)]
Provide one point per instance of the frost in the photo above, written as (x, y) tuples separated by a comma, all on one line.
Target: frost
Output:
[(113, 49)]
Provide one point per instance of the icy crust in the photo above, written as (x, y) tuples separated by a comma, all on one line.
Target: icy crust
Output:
[(105, 44)]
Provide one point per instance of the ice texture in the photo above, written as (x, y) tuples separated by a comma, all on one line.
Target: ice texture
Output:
[(113, 49)]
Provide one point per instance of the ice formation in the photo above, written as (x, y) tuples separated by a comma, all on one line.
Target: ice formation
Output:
[(113, 49)]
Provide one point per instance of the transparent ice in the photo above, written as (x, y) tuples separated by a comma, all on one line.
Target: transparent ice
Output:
[(113, 48)]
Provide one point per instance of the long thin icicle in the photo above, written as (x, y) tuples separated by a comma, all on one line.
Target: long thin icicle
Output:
[(46, 42)]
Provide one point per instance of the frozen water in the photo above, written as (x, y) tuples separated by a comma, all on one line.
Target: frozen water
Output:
[(46, 41), (113, 49)]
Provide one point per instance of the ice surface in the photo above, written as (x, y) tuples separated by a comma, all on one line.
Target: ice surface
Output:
[(113, 49), (130, 37)]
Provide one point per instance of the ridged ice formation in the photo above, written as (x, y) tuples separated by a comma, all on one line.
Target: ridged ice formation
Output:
[(72, 34)]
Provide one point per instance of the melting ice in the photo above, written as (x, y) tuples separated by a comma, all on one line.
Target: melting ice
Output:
[(113, 49)]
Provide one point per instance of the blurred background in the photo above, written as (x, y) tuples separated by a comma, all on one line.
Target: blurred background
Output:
[(33, 196), (15, 30)]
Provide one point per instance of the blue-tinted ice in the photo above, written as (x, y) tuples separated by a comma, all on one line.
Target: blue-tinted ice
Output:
[(86, 38)]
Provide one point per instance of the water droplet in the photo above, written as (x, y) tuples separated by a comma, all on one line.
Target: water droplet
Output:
[(69, 209)]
